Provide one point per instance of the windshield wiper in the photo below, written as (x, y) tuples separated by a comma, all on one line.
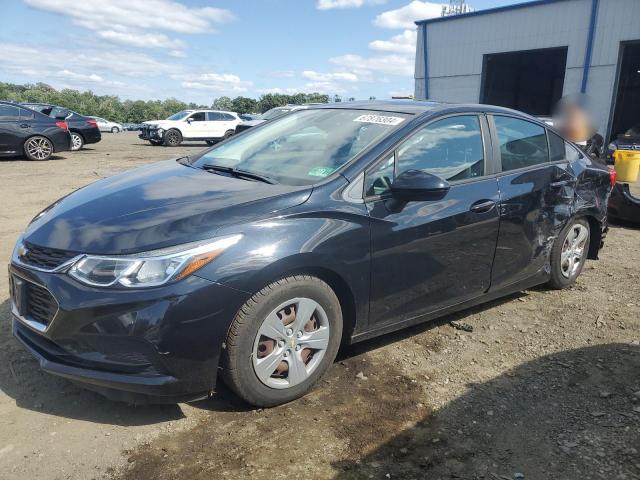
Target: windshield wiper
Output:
[(239, 173)]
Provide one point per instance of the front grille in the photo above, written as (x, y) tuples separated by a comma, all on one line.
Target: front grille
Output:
[(46, 258), (39, 303)]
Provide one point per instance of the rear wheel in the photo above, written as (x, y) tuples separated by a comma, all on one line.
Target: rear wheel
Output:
[(569, 253), (38, 148), (172, 138), (77, 142), (211, 142), (282, 341), (228, 133)]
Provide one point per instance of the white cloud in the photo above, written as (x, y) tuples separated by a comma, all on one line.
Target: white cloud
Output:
[(330, 77), (392, 64), (330, 4), (405, 17), (402, 43), (144, 40), (218, 82), (137, 23), (80, 76)]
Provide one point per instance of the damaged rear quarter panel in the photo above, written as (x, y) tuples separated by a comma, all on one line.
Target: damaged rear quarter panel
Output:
[(536, 204)]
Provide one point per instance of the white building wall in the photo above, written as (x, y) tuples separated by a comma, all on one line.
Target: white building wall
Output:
[(456, 47)]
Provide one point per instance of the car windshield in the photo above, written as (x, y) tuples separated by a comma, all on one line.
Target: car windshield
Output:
[(179, 115), (304, 147), (274, 113)]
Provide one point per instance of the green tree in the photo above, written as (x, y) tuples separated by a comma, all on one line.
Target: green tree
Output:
[(244, 105), (223, 103)]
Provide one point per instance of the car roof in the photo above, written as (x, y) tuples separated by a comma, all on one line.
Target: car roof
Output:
[(417, 107)]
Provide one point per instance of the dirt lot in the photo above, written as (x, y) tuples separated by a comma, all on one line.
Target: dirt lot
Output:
[(547, 385)]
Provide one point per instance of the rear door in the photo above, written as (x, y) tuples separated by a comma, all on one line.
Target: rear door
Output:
[(427, 255), (12, 133), (536, 196), (216, 124)]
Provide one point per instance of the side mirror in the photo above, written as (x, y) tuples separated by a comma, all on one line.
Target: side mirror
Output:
[(189, 120), (419, 185)]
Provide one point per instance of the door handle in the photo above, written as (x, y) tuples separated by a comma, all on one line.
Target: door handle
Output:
[(24, 125), (482, 206), (560, 183)]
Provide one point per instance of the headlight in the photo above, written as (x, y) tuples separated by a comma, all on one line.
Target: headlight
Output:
[(149, 269)]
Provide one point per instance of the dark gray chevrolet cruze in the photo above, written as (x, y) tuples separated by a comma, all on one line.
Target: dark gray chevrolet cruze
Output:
[(256, 259)]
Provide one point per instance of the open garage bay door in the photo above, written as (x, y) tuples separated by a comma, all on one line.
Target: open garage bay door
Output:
[(527, 80), (627, 101)]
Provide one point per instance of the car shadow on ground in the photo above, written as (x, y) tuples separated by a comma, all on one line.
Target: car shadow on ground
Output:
[(570, 415), (225, 400), (22, 380), (619, 223)]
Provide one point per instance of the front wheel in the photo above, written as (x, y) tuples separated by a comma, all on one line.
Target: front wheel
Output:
[(115, 130), (38, 148), (282, 340), (569, 253), (77, 142), (172, 138)]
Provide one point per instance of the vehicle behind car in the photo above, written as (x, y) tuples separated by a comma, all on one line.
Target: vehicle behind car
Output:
[(210, 126), (108, 126), (30, 133), (84, 130), (271, 114)]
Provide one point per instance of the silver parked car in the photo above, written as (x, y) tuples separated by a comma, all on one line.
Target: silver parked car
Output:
[(108, 126)]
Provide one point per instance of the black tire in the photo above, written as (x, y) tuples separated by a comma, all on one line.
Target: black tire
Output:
[(564, 275), (172, 138), (115, 130), (211, 142), (155, 143), (228, 134), (237, 358), (77, 141), (38, 148)]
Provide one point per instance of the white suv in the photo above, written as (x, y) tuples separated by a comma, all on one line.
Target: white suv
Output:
[(208, 125)]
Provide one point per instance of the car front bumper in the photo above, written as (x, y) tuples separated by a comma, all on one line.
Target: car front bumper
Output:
[(154, 345), (156, 134)]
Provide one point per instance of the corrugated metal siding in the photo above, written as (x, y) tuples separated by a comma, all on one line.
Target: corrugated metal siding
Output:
[(419, 93), (456, 47)]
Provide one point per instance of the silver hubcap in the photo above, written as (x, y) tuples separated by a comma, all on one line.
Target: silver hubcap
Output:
[(39, 148), (76, 141), (573, 250), (290, 343)]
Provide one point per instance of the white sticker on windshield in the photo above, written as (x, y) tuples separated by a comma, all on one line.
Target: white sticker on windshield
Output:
[(379, 119)]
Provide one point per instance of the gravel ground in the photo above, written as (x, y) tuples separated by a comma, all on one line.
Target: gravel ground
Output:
[(547, 385)]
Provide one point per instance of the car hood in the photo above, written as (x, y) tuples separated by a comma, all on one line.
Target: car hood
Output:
[(160, 205)]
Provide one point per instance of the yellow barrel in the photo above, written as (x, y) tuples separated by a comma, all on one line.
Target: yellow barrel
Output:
[(627, 165)]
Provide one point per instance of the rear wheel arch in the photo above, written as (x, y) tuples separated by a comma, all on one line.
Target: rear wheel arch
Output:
[(595, 232)]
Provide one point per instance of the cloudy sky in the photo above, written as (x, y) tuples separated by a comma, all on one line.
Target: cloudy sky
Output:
[(196, 50)]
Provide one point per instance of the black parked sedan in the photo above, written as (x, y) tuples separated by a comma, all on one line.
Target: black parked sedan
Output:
[(26, 132), (257, 258), (84, 130)]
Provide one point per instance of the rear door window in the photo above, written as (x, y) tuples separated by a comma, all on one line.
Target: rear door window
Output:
[(214, 116), (522, 143), (9, 113), (26, 114)]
